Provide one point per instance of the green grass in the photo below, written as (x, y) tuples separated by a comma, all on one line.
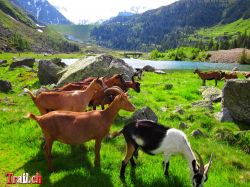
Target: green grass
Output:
[(81, 32), (21, 138), (228, 29)]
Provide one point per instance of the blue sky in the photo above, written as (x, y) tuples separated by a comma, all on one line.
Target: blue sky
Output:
[(93, 10)]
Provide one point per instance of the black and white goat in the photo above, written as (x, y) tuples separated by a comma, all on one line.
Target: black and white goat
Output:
[(154, 138)]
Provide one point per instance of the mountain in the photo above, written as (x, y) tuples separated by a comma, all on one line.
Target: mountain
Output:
[(168, 26), (42, 11), (18, 32)]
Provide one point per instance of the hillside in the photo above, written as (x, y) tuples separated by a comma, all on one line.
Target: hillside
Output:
[(42, 11), (79, 33), (166, 26), (20, 33)]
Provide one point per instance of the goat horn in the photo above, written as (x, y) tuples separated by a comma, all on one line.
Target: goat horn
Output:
[(209, 163), (132, 78), (114, 88), (201, 163)]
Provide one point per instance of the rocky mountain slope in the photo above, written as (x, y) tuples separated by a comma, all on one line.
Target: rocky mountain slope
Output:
[(42, 11), (18, 32)]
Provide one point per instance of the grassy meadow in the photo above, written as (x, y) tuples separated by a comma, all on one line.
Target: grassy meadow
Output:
[(21, 138)]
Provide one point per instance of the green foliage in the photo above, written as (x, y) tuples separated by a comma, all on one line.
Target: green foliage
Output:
[(16, 13), (19, 43), (180, 54), (155, 54)]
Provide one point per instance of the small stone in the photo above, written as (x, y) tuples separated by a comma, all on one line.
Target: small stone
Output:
[(3, 62), (203, 104), (23, 62), (168, 86), (197, 133), (179, 110), (160, 72), (183, 125), (164, 109), (144, 113), (5, 86)]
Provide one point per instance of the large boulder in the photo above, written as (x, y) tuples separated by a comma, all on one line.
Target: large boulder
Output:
[(5, 86), (48, 72), (236, 100), (23, 62), (94, 66), (144, 113), (148, 68)]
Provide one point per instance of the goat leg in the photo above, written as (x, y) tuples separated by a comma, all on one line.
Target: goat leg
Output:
[(47, 151), (97, 152), (129, 154)]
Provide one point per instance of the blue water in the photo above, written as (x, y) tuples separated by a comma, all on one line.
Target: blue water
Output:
[(176, 65)]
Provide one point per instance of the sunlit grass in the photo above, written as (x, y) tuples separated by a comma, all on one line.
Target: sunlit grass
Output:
[(21, 139)]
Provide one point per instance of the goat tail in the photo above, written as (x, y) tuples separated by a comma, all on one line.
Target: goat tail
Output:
[(116, 133), (30, 115), (26, 90)]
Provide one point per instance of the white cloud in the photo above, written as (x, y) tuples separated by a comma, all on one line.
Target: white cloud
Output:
[(94, 10)]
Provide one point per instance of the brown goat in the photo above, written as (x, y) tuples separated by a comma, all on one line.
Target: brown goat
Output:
[(115, 80), (211, 75), (78, 127), (230, 75), (66, 100)]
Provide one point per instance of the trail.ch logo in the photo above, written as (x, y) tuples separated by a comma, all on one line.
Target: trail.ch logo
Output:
[(24, 178)]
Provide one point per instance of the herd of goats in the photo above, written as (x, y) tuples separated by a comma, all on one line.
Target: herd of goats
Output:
[(64, 118), (219, 75)]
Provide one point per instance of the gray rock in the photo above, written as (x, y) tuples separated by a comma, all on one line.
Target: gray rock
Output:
[(23, 62), (144, 113), (168, 86), (5, 86), (58, 62), (197, 133), (148, 68), (94, 66), (179, 110), (3, 62), (160, 72), (212, 94), (48, 72), (236, 99), (183, 125), (224, 115), (203, 104)]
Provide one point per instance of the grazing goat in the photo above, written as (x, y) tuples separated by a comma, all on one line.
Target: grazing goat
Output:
[(246, 74), (154, 138), (230, 75), (138, 73), (212, 75), (66, 100), (78, 127)]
